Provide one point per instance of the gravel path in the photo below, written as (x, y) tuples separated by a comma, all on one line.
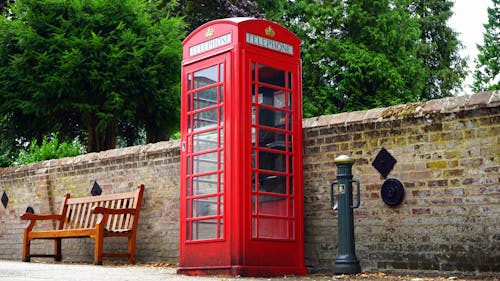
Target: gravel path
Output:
[(20, 271)]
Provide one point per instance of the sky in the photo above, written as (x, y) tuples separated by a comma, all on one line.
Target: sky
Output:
[(468, 19)]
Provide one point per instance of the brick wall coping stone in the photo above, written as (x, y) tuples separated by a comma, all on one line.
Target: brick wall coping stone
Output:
[(487, 99), (43, 166)]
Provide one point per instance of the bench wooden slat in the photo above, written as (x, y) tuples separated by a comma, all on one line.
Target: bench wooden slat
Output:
[(76, 217), (92, 217), (128, 218), (117, 216), (71, 218), (85, 214), (70, 233), (67, 222), (112, 204), (101, 198), (73, 215), (123, 203), (87, 218)]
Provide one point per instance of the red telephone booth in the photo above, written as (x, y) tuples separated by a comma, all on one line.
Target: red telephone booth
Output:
[(241, 198)]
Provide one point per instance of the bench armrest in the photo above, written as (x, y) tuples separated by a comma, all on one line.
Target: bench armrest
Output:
[(103, 214), (110, 211), (33, 218), (29, 216)]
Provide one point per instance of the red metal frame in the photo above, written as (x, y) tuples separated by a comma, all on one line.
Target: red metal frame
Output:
[(241, 198)]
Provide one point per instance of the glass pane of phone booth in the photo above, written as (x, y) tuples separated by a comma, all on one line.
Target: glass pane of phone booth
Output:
[(272, 153), (205, 135)]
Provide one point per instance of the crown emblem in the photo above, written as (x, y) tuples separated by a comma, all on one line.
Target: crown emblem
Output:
[(270, 31), (210, 32)]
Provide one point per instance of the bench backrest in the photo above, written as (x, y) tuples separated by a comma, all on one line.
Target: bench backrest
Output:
[(78, 211)]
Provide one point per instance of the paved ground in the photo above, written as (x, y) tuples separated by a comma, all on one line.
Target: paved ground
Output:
[(20, 271)]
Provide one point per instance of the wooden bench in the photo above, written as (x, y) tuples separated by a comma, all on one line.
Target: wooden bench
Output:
[(96, 217)]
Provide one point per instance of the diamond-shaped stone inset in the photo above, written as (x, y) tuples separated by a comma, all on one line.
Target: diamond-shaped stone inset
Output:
[(30, 210), (384, 162), (96, 189), (5, 199)]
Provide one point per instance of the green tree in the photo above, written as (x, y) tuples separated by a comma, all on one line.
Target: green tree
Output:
[(4, 4), (90, 68), (273, 10), (445, 69), (357, 54), (8, 148), (198, 12), (487, 73)]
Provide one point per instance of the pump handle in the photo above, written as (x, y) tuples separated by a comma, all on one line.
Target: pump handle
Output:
[(358, 195), (332, 198)]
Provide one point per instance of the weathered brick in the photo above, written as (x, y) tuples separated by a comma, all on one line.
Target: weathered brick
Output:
[(421, 192), (437, 183), (437, 164), (454, 191), (469, 181), (421, 211), (433, 127), (311, 133)]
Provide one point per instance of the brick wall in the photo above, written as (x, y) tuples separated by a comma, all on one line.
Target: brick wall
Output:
[(43, 185), (447, 154)]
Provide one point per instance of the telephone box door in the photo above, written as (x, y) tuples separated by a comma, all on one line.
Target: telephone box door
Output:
[(202, 158), (276, 178)]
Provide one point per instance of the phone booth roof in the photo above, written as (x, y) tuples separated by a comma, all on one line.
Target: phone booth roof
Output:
[(224, 34)]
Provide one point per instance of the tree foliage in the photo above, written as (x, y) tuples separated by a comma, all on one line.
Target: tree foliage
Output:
[(90, 68), (103, 69), (487, 73), (8, 147), (439, 48), (4, 5), (360, 54), (198, 12), (357, 54)]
